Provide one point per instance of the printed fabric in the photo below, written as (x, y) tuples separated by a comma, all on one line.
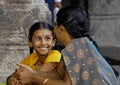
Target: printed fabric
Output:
[(85, 65)]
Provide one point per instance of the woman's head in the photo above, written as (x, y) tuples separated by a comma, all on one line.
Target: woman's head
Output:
[(41, 38), (74, 20)]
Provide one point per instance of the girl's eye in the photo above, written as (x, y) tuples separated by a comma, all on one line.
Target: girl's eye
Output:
[(38, 38), (47, 38)]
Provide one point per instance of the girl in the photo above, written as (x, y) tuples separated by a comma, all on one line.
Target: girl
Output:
[(44, 59)]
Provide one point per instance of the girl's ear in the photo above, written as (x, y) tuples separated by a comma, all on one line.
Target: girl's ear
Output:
[(29, 43)]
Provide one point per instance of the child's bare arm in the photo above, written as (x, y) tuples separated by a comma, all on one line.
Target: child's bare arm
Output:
[(49, 66)]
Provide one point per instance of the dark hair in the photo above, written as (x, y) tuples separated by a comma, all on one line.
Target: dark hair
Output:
[(75, 2), (75, 21), (36, 26)]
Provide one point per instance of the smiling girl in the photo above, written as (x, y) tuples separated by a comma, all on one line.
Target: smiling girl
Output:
[(42, 57)]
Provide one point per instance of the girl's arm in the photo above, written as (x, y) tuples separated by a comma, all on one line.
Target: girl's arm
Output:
[(49, 66), (40, 80), (28, 76)]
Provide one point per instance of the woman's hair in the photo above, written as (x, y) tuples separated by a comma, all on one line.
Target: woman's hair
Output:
[(75, 20), (37, 26)]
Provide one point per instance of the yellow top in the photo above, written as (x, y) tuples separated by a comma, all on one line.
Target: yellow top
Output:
[(54, 56)]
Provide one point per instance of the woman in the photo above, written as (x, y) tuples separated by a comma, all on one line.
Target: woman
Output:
[(82, 59), (84, 65)]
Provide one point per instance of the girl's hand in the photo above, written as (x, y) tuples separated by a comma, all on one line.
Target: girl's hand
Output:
[(12, 81), (25, 75)]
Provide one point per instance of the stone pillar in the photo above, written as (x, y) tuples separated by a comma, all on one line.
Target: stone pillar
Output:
[(16, 17), (105, 23)]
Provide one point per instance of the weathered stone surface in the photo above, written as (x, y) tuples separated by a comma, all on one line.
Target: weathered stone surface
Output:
[(105, 19), (9, 57), (104, 7), (105, 23), (14, 21), (105, 32), (19, 1), (16, 17)]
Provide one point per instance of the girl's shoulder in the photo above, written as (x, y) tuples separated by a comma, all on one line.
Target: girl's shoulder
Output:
[(54, 56)]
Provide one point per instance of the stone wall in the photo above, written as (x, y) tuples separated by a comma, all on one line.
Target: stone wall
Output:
[(16, 17), (105, 23)]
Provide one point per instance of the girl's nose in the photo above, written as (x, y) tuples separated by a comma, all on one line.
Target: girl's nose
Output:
[(43, 42)]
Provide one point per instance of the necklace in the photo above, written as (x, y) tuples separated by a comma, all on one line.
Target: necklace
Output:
[(38, 65)]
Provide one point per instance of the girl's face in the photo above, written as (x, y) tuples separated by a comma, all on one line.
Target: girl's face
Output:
[(42, 41)]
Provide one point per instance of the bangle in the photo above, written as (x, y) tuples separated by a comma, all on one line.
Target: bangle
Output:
[(45, 81)]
